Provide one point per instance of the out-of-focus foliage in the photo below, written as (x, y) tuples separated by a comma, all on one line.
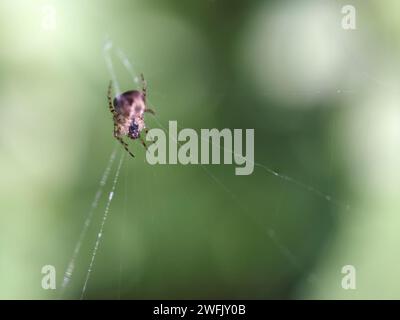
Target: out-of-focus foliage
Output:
[(325, 106)]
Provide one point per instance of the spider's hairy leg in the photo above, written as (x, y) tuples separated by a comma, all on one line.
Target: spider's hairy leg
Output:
[(144, 86), (146, 130), (125, 145), (143, 142), (110, 105), (150, 111)]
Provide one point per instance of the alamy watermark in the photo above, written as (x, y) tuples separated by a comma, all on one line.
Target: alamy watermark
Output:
[(49, 278), (349, 17), (349, 280), (49, 18), (195, 149)]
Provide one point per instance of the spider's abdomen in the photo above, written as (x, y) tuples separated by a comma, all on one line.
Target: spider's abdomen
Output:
[(129, 109), (129, 103)]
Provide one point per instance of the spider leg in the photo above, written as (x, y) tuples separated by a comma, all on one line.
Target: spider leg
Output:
[(110, 105), (124, 144), (143, 142), (144, 86), (146, 130), (144, 91), (150, 111)]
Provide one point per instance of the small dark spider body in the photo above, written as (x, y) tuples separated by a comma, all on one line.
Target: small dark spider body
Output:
[(128, 118), (128, 111), (134, 130)]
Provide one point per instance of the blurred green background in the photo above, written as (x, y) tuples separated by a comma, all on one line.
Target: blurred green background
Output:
[(325, 106)]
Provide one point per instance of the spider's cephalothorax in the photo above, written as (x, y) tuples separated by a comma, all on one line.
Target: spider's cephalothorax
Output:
[(128, 111)]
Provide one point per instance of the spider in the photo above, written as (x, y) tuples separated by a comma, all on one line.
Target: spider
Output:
[(128, 111)]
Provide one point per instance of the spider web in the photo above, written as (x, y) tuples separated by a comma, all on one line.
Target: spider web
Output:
[(88, 220), (71, 265), (270, 232)]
